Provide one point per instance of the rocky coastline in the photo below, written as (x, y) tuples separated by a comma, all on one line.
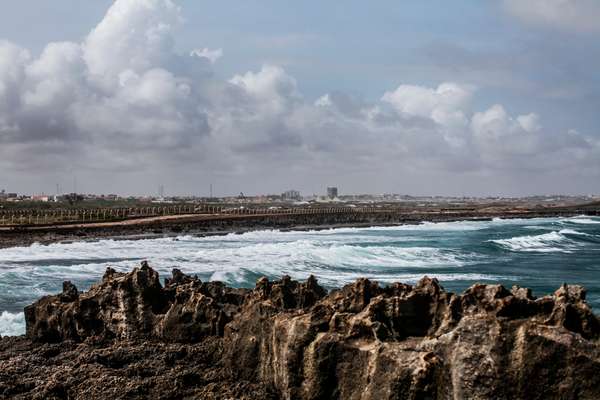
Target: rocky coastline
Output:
[(131, 336)]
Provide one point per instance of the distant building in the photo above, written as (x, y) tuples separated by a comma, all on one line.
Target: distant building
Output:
[(332, 192), (291, 195)]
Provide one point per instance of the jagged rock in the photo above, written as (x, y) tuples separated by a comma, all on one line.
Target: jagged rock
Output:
[(135, 306), (362, 341), (69, 293), (368, 342), (122, 306)]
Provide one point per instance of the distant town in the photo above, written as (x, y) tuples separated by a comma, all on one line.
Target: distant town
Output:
[(289, 198)]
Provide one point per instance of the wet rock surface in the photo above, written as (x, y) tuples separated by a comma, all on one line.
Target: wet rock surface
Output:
[(130, 336)]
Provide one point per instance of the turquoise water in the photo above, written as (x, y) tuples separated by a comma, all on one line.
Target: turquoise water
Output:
[(538, 253)]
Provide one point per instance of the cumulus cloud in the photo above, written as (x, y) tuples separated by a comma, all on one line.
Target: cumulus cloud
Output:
[(271, 85), (124, 99), (115, 90), (445, 105), (134, 35), (210, 55), (496, 123), (571, 15)]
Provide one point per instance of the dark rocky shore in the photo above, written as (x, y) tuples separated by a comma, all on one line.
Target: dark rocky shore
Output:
[(132, 337)]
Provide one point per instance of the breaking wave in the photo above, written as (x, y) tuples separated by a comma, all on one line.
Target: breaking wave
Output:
[(551, 242), (582, 221), (12, 324), (457, 253)]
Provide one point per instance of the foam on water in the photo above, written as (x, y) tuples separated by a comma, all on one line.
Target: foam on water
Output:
[(12, 324), (582, 220), (457, 253), (572, 232), (551, 242)]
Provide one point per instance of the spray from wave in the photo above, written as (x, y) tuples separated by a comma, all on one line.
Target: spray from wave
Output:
[(551, 242), (581, 221), (12, 324)]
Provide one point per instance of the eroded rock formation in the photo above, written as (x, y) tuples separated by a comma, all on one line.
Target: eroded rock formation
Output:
[(292, 340)]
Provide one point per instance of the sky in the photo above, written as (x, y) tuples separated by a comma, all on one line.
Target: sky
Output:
[(498, 97)]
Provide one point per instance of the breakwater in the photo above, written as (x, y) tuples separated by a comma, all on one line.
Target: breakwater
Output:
[(168, 221)]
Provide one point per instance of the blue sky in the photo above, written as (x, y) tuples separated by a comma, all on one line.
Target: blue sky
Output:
[(530, 58)]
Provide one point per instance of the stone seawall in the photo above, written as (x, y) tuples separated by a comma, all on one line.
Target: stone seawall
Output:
[(218, 224)]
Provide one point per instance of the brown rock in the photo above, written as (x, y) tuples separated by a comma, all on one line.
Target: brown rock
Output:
[(298, 342)]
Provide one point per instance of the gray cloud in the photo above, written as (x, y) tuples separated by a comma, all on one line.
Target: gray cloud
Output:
[(124, 100), (569, 15)]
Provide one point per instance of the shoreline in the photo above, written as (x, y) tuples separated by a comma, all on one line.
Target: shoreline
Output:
[(170, 239), (194, 339), (200, 227)]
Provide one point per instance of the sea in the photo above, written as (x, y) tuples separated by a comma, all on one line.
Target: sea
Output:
[(541, 254)]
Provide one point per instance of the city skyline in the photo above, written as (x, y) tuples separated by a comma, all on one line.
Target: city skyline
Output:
[(481, 99), (289, 195)]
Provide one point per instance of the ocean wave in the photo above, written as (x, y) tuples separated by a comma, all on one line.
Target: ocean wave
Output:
[(336, 256), (347, 278), (552, 242), (582, 221), (573, 232), (12, 324), (465, 225), (336, 279), (540, 227), (235, 259), (331, 262), (91, 256)]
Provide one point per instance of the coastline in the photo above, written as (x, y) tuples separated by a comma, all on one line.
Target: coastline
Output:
[(296, 340), (201, 226), (172, 241)]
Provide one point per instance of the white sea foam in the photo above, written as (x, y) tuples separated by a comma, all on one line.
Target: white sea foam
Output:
[(582, 221), (465, 225), (424, 226), (552, 242), (334, 263), (346, 278), (573, 232), (12, 324), (336, 256), (540, 227)]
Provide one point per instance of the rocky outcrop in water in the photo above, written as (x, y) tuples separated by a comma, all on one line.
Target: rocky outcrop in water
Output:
[(292, 340)]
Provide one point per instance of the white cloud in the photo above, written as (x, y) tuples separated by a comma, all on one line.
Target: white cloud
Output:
[(494, 123), (497, 123), (124, 99), (571, 15), (135, 35), (56, 78), (210, 55), (271, 88), (530, 122), (446, 104), (324, 101), (270, 82)]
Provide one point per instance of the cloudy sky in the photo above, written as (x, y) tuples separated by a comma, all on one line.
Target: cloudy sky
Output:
[(494, 97)]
